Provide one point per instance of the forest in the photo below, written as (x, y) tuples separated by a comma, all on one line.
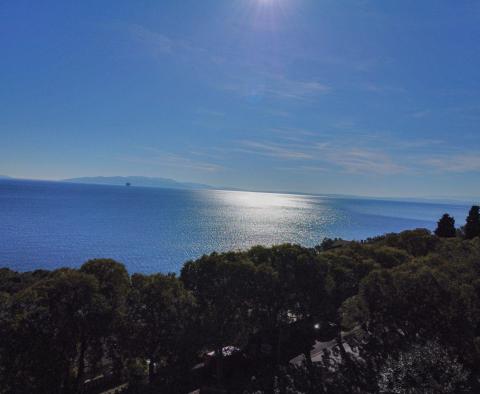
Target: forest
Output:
[(398, 313)]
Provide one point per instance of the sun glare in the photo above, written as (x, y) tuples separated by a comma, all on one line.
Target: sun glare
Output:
[(269, 14), (268, 3)]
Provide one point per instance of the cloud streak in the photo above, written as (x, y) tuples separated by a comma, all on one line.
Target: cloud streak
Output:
[(158, 44), (469, 162), (277, 87), (167, 159), (274, 150), (328, 156), (362, 161)]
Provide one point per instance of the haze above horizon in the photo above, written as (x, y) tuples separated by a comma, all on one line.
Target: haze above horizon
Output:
[(358, 97)]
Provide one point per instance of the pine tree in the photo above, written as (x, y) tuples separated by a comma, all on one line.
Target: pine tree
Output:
[(472, 228), (446, 227)]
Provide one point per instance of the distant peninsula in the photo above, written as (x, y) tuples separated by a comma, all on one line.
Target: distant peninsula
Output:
[(138, 181)]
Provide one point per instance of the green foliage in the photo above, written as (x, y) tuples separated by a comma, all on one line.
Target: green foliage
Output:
[(416, 301), (389, 257), (446, 227), (50, 326), (137, 373), (160, 311), (417, 242), (114, 287), (222, 286), (426, 369), (113, 279), (12, 282), (390, 293), (472, 227)]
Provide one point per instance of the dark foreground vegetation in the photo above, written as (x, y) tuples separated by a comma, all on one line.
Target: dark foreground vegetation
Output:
[(398, 313)]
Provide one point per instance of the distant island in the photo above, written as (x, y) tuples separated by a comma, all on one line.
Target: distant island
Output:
[(167, 183), (138, 181)]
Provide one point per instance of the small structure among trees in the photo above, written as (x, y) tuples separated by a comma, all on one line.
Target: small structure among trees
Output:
[(446, 227)]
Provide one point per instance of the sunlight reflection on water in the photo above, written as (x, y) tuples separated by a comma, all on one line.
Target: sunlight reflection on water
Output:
[(47, 225)]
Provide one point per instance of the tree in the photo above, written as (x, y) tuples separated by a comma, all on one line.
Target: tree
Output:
[(418, 242), (288, 287), (79, 315), (310, 298), (221, 284), (446, 227), (113, 280), (472, 227), (420, 301), (430, 368), (114, 286), (50, 327), (159, 309)]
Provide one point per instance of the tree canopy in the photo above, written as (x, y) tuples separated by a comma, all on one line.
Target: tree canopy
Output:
[(446, 227), (472, 227), (397, 301)]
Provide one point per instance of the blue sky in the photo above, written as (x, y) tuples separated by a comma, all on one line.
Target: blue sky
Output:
[(357, 97)]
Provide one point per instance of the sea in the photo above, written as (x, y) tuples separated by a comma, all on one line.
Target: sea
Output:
[(47, 225)]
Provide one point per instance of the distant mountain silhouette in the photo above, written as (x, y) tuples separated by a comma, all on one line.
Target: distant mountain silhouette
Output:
[(138, 181), (5, 177)]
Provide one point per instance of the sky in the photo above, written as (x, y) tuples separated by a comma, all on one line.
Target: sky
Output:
[(375, 98)]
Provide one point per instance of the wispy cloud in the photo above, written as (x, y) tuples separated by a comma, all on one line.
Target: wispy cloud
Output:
[(421, 114), (329, 156), (291, 130), (252, 83), (277, 112), (277, 86), (416, 144), (469, 162), (297, 135), (344, 124), (274, 150), (467, 111), (153, 156), (357, 160), (158, 44), (283, 87), (302, 169), (210, 112), (381, 88)]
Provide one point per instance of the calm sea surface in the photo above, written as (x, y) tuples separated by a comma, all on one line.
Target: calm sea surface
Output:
[(49, 225)]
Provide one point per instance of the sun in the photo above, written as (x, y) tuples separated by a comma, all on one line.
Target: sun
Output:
[(266, 15), (266, 3), (270, 8)]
